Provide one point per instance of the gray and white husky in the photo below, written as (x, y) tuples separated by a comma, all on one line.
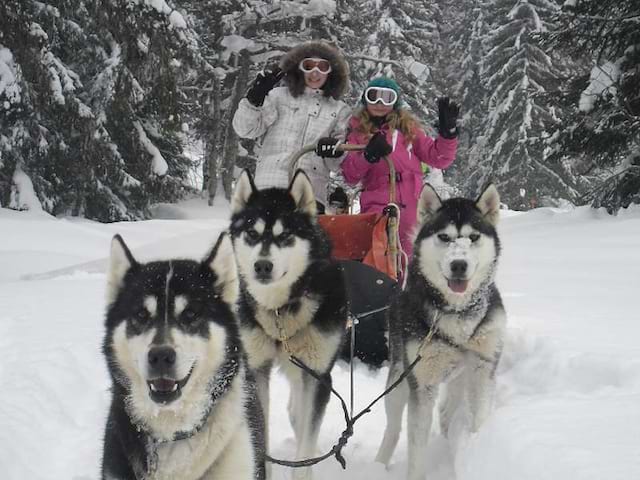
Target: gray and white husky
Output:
[(450, 290), (292, 298), (184, 404)]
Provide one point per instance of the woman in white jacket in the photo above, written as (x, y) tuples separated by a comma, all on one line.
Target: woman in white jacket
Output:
[(307, 110)]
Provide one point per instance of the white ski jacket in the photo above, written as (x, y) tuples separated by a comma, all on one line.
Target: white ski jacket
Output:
[(283, 125)]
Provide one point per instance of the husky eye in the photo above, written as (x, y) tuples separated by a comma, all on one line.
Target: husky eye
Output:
[(141, 317), (443, 237), (252, 235), (284, 236), (474, 237), (190, 315)]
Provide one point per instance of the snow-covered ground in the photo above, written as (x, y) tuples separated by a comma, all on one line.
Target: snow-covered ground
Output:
[(568, 403)]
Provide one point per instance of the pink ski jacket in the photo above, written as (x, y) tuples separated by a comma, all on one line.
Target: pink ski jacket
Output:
[(438, 153)]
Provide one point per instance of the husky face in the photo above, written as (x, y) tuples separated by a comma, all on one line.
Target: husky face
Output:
[(274, 234), (457, 245), (170, 331)]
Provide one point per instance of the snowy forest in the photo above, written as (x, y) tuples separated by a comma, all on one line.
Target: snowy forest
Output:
[(110, 106)]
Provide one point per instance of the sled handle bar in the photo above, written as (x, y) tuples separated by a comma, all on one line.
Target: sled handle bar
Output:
[(345, 147)]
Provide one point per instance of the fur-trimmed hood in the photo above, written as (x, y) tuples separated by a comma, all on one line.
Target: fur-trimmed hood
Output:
[(338, 81)]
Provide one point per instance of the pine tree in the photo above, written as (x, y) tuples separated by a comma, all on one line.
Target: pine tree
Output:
[(460, 66), (519, 75), (93, 119), (44, 119), (603, 131)]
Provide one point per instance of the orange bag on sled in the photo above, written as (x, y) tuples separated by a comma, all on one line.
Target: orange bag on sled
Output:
[(379, 256)]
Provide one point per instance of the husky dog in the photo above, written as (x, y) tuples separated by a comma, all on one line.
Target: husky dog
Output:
[(184, 405), (292, 298), (451, 293)]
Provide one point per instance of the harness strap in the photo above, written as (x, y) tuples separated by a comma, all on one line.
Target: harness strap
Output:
[(350, 420)]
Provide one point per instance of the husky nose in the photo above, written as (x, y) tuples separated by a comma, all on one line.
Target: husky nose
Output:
[(458, 268), (161, 359), (263, 268)]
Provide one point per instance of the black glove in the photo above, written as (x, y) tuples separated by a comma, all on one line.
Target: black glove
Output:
[(262, 85), (377, 148), (326, 148), (447, 116)]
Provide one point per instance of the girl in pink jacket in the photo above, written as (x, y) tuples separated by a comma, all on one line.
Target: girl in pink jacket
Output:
[(388, 129)]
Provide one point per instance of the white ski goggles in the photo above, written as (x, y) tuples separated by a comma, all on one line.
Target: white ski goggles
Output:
[(386, 96), (308, 65)]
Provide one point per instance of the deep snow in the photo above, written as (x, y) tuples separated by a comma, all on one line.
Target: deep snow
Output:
[(568, 402)]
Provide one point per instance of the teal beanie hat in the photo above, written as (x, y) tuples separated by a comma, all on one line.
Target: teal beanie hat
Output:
[(383, 82)]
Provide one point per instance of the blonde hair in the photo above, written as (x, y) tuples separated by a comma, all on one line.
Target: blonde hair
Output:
[(397, 119)]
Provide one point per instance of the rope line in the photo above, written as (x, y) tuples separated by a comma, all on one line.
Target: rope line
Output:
[(336, 450), (350, 420)]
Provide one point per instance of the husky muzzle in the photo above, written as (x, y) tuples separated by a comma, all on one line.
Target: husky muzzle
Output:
[(458, 269), (263, 270), (163, 385)]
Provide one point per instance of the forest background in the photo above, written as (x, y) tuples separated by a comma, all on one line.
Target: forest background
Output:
[(110, 106)]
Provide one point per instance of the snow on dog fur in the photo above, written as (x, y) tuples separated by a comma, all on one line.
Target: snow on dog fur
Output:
[(183, 404), (450, 290), (292, 298)]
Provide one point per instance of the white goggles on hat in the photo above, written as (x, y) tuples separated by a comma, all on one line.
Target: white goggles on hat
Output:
[(386, 96)]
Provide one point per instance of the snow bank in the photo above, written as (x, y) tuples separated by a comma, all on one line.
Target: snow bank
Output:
[(568, 387)]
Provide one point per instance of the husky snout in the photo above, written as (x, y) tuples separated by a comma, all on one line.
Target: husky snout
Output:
[(162, 361), (263, 269), (164, 386), (457, 268)]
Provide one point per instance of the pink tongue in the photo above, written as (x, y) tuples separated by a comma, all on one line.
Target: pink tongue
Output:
[(458, 286)]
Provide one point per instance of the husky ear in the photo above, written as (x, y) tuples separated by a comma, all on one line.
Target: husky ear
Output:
[(244, 189), (222, 262), (302, 192), (120, 261), (489, 204), (428, 204)]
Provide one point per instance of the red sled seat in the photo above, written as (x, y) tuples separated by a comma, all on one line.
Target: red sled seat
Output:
[(351, 235), (360, 237)]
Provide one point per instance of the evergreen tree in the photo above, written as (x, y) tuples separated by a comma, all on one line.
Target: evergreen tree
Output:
[(603, 132), (518, 74), (93, 118), (460, 66)]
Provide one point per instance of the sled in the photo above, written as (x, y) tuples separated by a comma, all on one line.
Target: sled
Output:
[(370, 237), (368, 249)]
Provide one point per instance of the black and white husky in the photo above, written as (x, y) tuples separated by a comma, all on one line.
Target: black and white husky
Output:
[(292, 298), (184, 405), (450, 291)]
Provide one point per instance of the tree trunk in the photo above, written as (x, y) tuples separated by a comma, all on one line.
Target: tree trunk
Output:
[(230, 151), (212, 146)]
